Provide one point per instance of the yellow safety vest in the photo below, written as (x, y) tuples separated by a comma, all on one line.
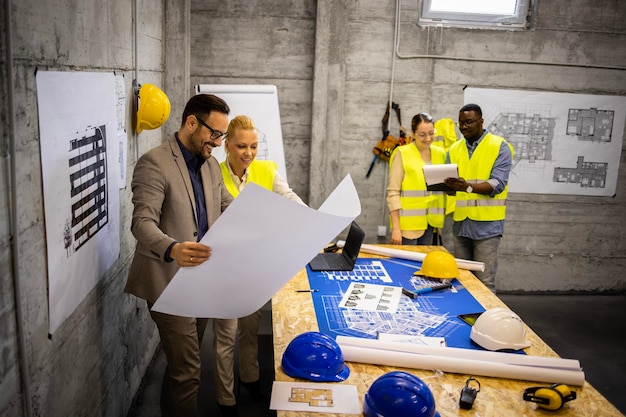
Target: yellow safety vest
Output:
[(419, 207), (259, 172), (475, 170)]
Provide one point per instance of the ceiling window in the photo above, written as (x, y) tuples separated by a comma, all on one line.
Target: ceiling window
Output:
[(492, 14)]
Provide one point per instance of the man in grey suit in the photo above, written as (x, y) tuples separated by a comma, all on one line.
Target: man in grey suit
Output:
[(178, 192)]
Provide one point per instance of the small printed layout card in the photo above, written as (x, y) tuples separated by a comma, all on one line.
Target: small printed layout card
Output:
[(372, 297)]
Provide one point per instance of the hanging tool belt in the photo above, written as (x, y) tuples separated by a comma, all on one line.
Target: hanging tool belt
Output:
[(387, 143)]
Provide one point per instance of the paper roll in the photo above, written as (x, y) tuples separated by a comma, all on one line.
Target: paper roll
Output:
[(480, 355), (461, 366), (414, 256)]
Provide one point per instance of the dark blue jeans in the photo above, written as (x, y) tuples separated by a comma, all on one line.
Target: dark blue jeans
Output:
[(425, 239), (486, 251)]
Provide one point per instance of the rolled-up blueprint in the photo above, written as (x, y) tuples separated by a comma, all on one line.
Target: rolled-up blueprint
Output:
[(481, 355), (414, 256), (461, 365)]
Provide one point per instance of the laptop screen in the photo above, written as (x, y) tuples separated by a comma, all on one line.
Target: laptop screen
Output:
[(354, 241)]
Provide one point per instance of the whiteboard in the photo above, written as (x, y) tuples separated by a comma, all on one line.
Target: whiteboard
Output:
[(260, 103)]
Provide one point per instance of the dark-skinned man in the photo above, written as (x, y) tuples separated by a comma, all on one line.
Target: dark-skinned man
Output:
[(484, 162)]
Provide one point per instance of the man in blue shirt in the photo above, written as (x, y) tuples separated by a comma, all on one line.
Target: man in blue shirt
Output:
[(178, 193), (484, 162)]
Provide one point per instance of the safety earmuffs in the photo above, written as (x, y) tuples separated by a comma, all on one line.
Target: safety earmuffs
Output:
[(550, 398)]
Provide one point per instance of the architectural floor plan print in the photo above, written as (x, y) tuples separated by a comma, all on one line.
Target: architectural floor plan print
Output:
[(88, 185), (530, 134), (585, 174), (431, 315), (411, 319), (80, 176), (587, 125), (564, 143), (590, 124), (313, 397)]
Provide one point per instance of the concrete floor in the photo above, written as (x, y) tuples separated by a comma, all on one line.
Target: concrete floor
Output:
[(589, 328), (146, 402)]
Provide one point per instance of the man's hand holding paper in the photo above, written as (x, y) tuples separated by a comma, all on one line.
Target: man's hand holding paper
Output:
[(281, 238), (435, 176)]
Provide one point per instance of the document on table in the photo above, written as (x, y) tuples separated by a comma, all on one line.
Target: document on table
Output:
[(315, 397), (258, 244), (435, 174), (372, 297)]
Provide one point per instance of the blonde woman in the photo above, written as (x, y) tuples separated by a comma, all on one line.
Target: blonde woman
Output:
[(416, 214), (240, 168)]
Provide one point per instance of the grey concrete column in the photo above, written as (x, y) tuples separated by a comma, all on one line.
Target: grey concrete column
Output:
[(177, 69), (331, 42)]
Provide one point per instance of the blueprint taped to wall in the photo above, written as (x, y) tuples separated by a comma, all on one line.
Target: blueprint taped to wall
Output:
[(564, 143), (80, 173)]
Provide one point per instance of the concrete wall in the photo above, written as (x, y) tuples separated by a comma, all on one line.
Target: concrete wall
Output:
[(94, 363), (333, 65), (262, 42), (334, 69)]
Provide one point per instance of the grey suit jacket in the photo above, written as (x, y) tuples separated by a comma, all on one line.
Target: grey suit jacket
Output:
[(165, 212)]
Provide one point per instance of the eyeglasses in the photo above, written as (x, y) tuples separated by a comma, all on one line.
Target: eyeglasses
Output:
[(462, 123), (215, 134)]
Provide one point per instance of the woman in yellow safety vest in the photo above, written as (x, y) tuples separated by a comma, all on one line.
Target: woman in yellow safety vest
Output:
[(416, 214), (239, 169)]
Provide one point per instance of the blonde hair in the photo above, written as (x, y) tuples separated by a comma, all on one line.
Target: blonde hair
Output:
[(240, 122)]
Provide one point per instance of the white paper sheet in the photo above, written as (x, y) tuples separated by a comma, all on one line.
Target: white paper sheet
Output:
[(372, 297), (482, 355), (79, 169), (462, 366), (258, 244), (435, 174), (574, 147), (462, 361), (314, 397)]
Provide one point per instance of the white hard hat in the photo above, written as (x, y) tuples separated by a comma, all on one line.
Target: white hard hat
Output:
[(499, 328)]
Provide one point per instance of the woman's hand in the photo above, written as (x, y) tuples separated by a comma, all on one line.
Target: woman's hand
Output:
[(396, 237)]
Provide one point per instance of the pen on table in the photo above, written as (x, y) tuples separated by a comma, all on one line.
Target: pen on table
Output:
[(431, 289), (307, 290), (419, 291)]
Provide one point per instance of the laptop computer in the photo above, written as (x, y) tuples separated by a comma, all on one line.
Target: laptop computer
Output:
[(345, 260)]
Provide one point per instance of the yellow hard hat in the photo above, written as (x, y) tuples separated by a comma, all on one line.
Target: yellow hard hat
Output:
[(154, 108), (439, 264)]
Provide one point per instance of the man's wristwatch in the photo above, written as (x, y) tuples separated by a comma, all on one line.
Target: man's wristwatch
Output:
[(469, 188)]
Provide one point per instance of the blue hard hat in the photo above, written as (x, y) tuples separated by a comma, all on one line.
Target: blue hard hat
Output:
[(316, 357), (399, 394)]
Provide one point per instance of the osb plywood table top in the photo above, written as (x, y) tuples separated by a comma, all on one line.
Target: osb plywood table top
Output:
[(293, 313)]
